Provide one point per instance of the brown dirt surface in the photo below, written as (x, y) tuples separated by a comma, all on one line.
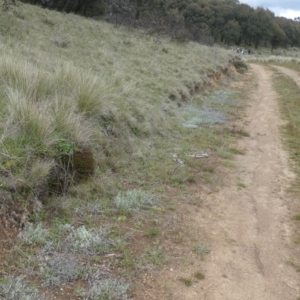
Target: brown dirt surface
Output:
[(246, 223)]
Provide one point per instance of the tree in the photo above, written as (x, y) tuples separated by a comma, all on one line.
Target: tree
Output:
[(260, 26), (291, 30), (278, 37), (242, 13), (231, 32)]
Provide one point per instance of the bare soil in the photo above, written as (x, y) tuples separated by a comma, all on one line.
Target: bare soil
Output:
[(246, 224)]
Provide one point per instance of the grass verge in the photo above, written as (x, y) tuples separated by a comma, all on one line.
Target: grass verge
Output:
[(102, 135), (290, 106)]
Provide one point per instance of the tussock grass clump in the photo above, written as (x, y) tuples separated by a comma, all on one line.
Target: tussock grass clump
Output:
[(80, 100), (39, 171), (29, 119), (134, 200), (100, 89)]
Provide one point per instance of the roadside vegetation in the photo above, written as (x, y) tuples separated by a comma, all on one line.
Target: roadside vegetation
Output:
[(289, 102), (288, 91), (102, 133)]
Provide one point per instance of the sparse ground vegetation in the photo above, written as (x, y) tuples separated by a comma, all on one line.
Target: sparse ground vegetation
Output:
[(201, 249), (199, 276), (289, 101), (288, 90)]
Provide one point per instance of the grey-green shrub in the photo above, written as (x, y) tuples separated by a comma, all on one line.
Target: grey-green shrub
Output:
[(134, 200), (87, 241), (35, 235), (107, 289), (14, 288)]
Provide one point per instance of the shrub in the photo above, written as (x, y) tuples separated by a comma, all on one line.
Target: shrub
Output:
[(134, 200), (87, 241), (15, 289), (240, 66), (58, 269), (35, 235), (108, 289)]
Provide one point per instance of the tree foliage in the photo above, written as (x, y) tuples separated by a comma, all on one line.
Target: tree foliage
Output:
[(205, 21)]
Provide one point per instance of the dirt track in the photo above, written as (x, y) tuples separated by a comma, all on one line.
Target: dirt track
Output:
[(248, 219), (255, 218)]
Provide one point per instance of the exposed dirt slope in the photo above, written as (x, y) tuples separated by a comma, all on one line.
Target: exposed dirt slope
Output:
[(248, 220)]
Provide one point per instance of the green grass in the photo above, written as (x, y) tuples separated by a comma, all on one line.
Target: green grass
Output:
[(281, 55), (201, 249), (289, 101), (199, 276), (186, 281), (91, 118), (290, 106), (241, 185)]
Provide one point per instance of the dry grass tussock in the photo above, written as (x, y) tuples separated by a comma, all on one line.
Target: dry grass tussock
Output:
[(80, 97), (84, 83)]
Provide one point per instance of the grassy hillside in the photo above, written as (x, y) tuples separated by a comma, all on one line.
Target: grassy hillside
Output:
[(99, 126)]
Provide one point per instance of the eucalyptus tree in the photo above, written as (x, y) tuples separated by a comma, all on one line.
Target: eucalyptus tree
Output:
[(260, 26), (231, 32), (279, 36), (242, 13)]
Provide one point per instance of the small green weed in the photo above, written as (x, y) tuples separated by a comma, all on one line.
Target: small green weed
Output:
[(201, 249), (241, 185), (156, 256), (296, 217), (128, 260), (187, 282), (151, 232), (199, 276), (64, 147), (207, 178)]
